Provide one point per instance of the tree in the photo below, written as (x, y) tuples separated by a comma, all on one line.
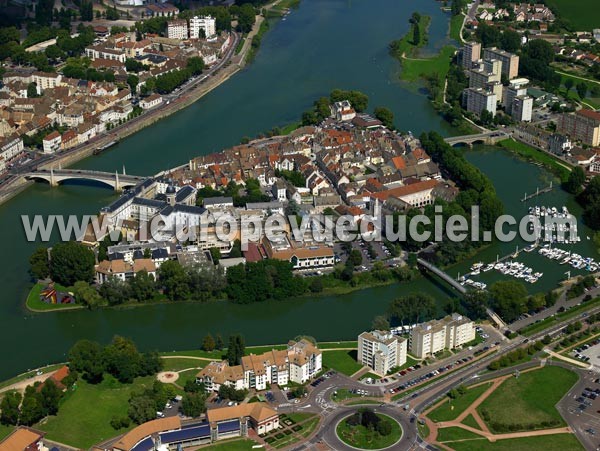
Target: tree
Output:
[(122, 359), (215, 253), (39, 263), (385, 115), (208, 344), (574, 183), (581, 90), (355, 258), (193, 404), (9, 408), (174, 280), (50, 396), (219, 345), (115, 291), (195, 64), (32, 409), (380, 323), (569, 83), (32, 90), (86, 357), (416, 34), (509, 299), (142, 408), (71, 262), (87, 295), (510, 41), (236, 349), (142, 287), (132, 81), (413, 308)]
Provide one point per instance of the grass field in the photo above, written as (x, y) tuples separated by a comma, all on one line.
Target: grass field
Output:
[(455, 26), (582, 14), (558, 442), (5, 430), (454, 433), (470, 421), (35, 304), (182, 364), (414, 69), (232, 445), (557, 167), (342, 361), (526, 402), (360, 437), (452, 408), (85, 414), (338, 344)]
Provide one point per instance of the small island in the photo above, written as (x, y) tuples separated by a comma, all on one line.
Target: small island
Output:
[(366, 429)]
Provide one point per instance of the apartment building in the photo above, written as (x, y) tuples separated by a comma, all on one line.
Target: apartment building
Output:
[(381, 351), (522, 109), (436, 335), (177, 29), (300, 362), (477, 100), (517, 88), (510, 62), (470, 54), (207, 24), (584, 126)]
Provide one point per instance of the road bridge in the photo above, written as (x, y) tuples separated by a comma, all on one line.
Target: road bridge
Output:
[(56, 176), (489, 138)]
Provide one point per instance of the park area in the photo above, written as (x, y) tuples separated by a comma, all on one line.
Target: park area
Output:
[(343, 361), (582, 15), (368, 430), (512, 412)]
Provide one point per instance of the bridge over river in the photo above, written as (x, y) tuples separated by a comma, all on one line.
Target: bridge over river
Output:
[(489, 138), (56, 176)]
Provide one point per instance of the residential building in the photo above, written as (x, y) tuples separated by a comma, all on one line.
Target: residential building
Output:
[(151, 101), (177, 29), (301, 255), (207, 24), (512, 92), (52, 142), (123, 270), (415, 195), (470, 54), (343, 111), (434, 336), (477, 100), (46, 80), (23, 438), (10, 147), (510, 62), (381, 351), (559, 144), (300, 362), (583, 125), (522, 109), (162, 10)]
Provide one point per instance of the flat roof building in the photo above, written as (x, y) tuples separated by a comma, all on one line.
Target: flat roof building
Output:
[(381, 351)]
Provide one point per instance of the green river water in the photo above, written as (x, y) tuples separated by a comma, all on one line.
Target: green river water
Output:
[(324, 44)]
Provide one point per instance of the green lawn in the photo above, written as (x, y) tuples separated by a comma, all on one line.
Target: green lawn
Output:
[(558, 442), (527, 402), (582, 14), (455, 433), (452, 408), (35, 304), (338, 344), (298, 417), (5, 430), (341, 361), (557, 167), (182, 364), (455, 26), (85, 414), (309, 427), (414, 69), (232, 445), (470, 421), (360, 437)]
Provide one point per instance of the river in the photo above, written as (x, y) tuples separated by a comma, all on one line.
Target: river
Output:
[(324, 44)]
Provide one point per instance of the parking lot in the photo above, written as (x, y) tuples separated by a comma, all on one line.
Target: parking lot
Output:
[(589, 353)]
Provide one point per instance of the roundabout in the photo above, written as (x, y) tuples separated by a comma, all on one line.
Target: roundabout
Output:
[(368, 430), (335, 432)]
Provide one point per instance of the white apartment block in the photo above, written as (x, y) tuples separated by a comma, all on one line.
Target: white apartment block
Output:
[(206, 23), (177, 29), (300, 362), (522, 109), (435, 336), (381, 351), (510, 62), (477, 100)]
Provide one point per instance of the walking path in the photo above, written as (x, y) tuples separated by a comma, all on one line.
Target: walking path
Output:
[(567, 359), (21, 385), (484, 431)]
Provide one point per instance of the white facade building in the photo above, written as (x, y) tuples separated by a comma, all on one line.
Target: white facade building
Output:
[(381, 351), (206, 23), (522, 109), (435, 336), (177, 29), (477, 100)]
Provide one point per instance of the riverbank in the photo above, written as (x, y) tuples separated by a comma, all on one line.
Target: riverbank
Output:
[(232, 64)]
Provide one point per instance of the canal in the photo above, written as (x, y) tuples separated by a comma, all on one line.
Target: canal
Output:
[(325, 44)]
